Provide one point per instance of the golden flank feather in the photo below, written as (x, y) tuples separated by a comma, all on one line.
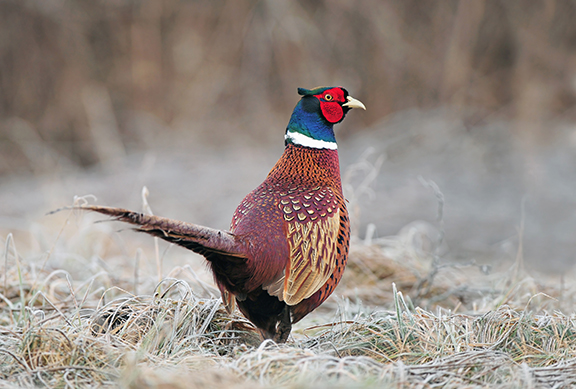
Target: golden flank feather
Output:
[(312, 258)]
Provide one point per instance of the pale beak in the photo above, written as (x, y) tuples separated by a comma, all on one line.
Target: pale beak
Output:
[(353, 103)]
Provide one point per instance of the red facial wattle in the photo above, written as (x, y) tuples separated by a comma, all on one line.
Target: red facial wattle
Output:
[(330, 104), (332, 111)]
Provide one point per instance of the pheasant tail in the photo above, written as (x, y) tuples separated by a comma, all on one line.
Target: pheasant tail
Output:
[(202, 240)]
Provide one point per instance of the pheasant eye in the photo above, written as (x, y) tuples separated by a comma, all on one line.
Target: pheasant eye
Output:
[(328, 97)]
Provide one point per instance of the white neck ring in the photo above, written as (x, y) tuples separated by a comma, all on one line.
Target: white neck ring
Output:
[(303, 140)]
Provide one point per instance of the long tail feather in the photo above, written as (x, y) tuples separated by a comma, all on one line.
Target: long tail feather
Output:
[(202, 240)]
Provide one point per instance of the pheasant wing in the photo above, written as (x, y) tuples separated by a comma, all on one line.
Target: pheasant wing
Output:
[(312, 257), (312, 221)]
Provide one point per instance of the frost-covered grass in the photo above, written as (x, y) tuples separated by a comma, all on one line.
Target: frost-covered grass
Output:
[(79, 309)]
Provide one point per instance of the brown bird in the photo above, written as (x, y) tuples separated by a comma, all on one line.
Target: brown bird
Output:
[(288, 241)]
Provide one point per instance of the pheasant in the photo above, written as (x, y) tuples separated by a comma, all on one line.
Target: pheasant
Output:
[(288, 241)]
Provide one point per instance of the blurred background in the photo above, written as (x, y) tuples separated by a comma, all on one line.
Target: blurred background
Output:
[(468, 143)]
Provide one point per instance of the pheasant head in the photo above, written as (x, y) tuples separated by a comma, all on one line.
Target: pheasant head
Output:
[(313, 119)]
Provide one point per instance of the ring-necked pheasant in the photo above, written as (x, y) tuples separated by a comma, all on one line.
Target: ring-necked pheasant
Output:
[(288, 241)]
